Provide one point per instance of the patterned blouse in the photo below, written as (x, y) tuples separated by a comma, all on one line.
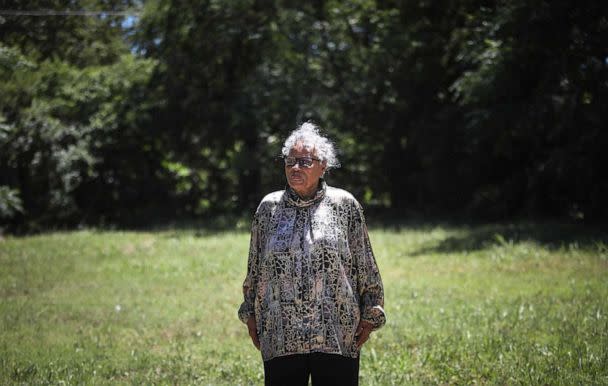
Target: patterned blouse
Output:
[(311, 274)]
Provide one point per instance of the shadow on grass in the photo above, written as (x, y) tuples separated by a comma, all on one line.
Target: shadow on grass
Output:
[(464, 235), (196, 227), (168, 225), (552, 236)]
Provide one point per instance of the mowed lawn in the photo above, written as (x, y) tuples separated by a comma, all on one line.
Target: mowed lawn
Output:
[(494, 304)]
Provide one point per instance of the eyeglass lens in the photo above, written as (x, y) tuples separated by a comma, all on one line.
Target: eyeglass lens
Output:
[(304, 162)]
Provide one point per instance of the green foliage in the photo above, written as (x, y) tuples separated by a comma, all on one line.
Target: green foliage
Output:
[(520, 90), (494, 304), (65, 121), (477, 109), (10, 203), (80, 41)]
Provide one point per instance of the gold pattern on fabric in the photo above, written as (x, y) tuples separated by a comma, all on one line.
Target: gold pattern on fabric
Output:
[(311, 274)]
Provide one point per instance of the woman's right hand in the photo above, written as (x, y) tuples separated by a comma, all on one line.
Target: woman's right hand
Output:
[(253, 332)]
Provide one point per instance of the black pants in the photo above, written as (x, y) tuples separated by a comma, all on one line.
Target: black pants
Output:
[(325, 369)]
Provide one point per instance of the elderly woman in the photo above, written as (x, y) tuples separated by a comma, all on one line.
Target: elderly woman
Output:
[(313, 292)]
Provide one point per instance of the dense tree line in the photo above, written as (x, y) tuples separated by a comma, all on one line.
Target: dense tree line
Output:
[(468, 108)]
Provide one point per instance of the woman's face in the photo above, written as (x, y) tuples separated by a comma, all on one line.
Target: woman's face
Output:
[(300, 178)]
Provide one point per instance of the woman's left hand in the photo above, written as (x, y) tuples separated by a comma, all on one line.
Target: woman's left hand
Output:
[(363, 330)]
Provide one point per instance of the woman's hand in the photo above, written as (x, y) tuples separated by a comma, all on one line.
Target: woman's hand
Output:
[(363, 330), (253, 332)]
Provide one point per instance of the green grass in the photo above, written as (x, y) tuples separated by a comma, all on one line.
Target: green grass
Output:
[(525, 304)]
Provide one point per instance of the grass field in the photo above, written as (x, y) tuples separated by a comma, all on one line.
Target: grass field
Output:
[(494, 304)]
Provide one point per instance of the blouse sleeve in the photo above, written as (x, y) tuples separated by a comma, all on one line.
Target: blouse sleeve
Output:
[(246, 310), (371, 293)]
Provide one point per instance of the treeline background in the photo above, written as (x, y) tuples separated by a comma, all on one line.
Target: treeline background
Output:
[(486, 110)]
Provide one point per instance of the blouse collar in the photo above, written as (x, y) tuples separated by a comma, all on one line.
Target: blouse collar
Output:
[(292, 197)]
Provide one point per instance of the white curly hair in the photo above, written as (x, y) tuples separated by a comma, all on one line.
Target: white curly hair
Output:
[(308, 135)]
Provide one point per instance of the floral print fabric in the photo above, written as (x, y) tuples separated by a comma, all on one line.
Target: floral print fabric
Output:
[(311, 274)]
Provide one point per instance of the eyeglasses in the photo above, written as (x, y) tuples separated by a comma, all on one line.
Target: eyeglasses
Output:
[(305, 162)]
